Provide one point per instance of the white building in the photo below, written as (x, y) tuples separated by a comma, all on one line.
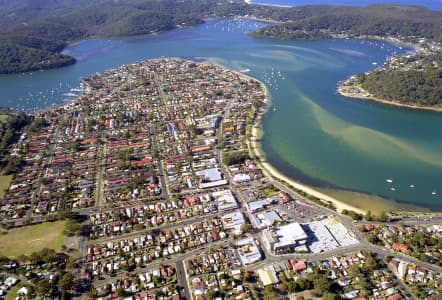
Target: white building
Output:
[(248, 251), (210, 178), (240, 178), (225, 200), (266, 219), (233, 221), (267, 275), (402, 269), (288, 236), (259, 204)]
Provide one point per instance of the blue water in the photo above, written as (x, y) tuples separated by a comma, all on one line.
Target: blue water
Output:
[(313, 135), (430, 4)]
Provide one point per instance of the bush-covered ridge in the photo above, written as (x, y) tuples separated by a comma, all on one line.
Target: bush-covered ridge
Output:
[(421, 85), (35, 41), (408, 23), (34, 32)]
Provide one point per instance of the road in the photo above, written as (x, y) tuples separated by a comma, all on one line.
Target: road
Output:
[(45, 164), (100, 184), (183, 281), (101, 154), (149, 230), (164, 188), (178, 260), (348, 223)]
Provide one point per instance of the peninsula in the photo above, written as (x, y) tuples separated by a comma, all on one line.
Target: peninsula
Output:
[(413, 81), (33, 37), (149, 186)]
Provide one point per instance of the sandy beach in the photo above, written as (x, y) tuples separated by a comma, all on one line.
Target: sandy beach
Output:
[(271, 171)]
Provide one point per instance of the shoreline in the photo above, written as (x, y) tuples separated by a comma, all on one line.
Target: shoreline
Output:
[(344, 4), (250, 2), (271, 171), (386, 102)]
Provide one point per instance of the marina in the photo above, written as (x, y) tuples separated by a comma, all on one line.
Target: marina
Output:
[(307, 118)]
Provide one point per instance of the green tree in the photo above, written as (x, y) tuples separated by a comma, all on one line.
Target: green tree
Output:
[(92, 293), (354, 270), (120, 292), (321, 285), (329, 296), (383, 217), (72, 227), (303, 284), (368, 216), (388, 258), (370, 262), (66, 282), (270, 292), (45, 289), (291, 286)]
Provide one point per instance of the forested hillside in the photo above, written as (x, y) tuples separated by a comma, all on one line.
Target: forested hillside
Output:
[(34, 32), (410, 23), (414, 86), (420, 86)]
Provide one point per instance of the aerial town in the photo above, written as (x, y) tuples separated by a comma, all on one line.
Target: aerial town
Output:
[(150, 176)]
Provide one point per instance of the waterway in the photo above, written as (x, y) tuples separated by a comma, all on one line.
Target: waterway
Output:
[(310, 133), (430, 4)]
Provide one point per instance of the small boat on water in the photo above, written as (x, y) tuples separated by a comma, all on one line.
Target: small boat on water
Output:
[(412, 186), (70, 95), (245, 70), (393, 189), (389, 180), (433, 193), (274, 109)]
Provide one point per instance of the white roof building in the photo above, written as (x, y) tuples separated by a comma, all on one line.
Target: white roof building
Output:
[(267, 275), (225, 200), (233, 221), (289, 236), (210, 178), (265, 219), (259, 204), (239, 178), (248, 251)]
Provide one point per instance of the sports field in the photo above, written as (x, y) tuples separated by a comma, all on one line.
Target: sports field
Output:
[(28, 239)]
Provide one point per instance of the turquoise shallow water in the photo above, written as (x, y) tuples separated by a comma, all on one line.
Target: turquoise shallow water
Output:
[(311, 133)]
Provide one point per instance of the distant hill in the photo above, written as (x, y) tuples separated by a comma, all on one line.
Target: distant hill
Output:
[(34, 32), (407, 22), (418, 83)]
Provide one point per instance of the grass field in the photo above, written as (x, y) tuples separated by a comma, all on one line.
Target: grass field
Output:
[(28, 239), (3, 117), (12, 294), (4, 184)]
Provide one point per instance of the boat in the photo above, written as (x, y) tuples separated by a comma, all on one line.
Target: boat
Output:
[(433, 193), (389, 180), (274, 109), (374, 63), (70, 95), (245, 71), (393, 189), (412, 186)]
